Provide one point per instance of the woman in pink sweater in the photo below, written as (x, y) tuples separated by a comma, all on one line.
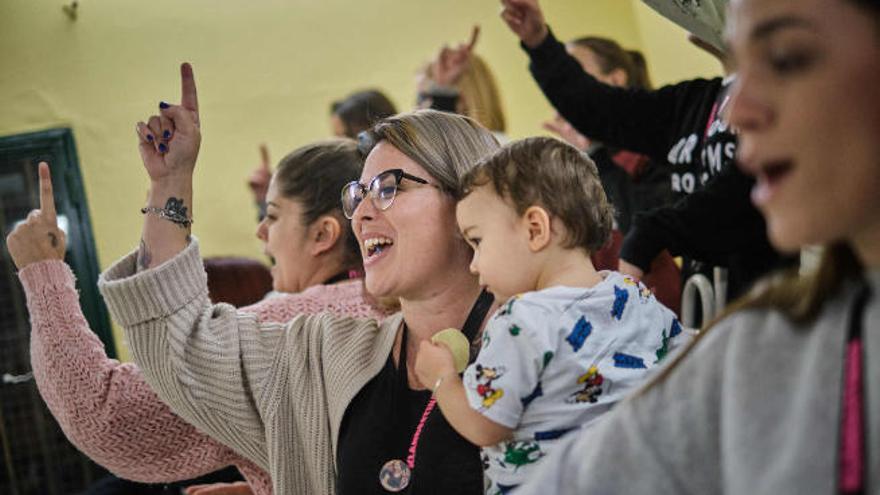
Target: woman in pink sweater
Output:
[(106, 408)]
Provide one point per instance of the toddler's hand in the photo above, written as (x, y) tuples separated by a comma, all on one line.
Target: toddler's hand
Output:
[(432, 362)]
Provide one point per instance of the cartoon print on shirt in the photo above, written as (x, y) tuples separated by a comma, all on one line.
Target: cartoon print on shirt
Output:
[(593, 384), (622, 360), (645, 294), (663, 350), (620, 298), (520, 453), (485, 377), (537, 392), (582, 329), (674, 330), (507, 308), (547, 357)]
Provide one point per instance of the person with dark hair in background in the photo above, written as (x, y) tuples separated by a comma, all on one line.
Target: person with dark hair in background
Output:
[(644, 185), (682, 124), (359, 111), (349, 116)]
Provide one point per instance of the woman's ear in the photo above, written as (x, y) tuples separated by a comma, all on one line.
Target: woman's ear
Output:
[(325, 233), (538, 225)]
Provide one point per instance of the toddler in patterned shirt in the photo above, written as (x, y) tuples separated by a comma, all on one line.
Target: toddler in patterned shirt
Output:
[(568, 342)]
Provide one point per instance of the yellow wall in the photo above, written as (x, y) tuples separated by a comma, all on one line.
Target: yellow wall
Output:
[(670, 55), (267, 71)]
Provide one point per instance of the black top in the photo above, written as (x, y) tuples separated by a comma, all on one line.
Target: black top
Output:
[(617, 185), (670, 124), (680, 125), (378, 426), (717, 225), (629, 195)]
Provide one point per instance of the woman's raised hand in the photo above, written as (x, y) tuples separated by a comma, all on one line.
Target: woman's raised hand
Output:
[(169, 142), (567, 132), (261, 176), (450, 63), (525, 19), (38, 238)]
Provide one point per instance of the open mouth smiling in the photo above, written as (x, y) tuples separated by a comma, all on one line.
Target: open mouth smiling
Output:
[(375, 246)]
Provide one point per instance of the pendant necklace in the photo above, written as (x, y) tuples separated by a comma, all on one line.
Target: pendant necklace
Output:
[(396, 474)]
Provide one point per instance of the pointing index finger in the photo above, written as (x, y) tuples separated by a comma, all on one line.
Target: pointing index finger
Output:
[(188, 96), (47, 200), (264, 154), (475, 35)]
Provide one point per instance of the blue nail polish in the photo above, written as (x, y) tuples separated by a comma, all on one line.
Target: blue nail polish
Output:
[(150, 138), (163, 105), (166, 134), (162, 148)]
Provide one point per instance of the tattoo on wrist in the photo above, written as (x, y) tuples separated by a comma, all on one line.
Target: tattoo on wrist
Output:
[(174, 211), (143, 257)]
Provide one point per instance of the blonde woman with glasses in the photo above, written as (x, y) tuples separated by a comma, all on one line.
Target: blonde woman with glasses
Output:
[(325, 404)]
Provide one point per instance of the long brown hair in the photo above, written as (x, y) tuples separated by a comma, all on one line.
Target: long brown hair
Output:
[(313, 175)]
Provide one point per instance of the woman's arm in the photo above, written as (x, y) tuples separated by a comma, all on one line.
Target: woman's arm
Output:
[(209, 363), (105, 407), (169, 145), (710, 225), (638, 120)]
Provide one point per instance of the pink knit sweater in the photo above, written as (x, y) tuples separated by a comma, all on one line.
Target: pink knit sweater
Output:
[(105, 407)]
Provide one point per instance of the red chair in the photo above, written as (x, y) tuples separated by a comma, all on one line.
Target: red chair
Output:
[(237, 281)]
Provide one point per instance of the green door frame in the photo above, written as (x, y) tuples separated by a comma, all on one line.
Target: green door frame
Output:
[(58, 148)]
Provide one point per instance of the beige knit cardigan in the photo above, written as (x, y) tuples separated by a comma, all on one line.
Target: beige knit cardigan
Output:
[(274, 393)]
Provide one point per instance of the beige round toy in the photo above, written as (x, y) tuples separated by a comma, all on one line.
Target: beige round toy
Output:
[(457, 343)]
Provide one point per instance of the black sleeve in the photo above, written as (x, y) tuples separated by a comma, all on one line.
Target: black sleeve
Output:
[(709, 225), (444, 102), (644, 121)]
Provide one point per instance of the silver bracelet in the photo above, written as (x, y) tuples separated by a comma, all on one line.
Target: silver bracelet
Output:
[(174, 211)]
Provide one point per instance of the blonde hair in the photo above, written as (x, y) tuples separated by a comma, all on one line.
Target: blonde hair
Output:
[(479, 97), (446, 145)]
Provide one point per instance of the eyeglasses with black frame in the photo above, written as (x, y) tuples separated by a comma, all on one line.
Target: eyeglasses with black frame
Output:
[(382, 190)]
